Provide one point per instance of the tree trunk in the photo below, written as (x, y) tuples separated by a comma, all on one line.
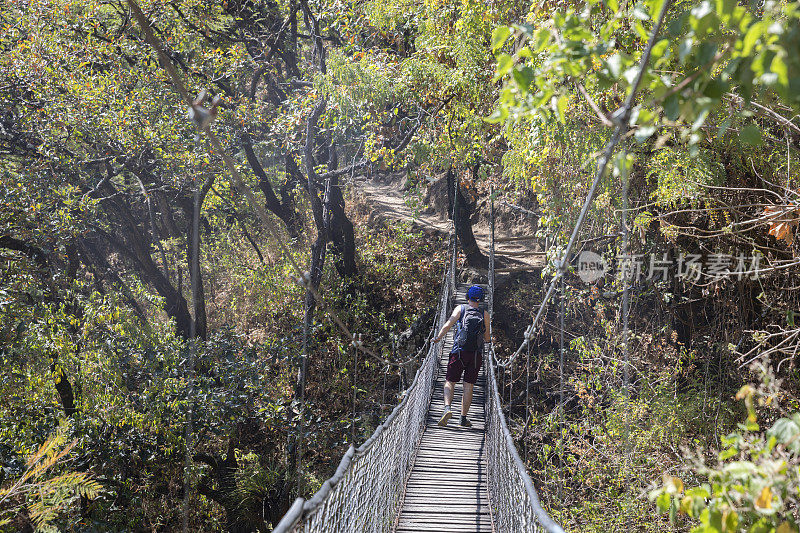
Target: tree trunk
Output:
[(135, 245), (343, 236), (463, 222), (340, 228), (198, 299), (175, 304), (63, 387), (280, 208)]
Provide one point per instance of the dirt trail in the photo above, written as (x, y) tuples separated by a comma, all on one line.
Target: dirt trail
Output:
[(388, 200)]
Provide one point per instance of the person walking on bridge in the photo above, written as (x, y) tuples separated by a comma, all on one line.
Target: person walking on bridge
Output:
[(474, 329)]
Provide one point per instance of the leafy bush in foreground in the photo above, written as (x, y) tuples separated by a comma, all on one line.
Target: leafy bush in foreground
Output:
[(754, 487)]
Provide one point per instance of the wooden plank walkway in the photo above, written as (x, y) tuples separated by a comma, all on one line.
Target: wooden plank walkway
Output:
[(447, 489)]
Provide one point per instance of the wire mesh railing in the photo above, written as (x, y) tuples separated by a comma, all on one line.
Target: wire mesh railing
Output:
[(513, 499), (366, 492), (514, 502)]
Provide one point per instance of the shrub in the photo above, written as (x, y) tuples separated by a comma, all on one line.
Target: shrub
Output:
[(755, 485)]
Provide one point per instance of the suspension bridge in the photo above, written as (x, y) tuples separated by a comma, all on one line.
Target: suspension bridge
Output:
[(412, 475)]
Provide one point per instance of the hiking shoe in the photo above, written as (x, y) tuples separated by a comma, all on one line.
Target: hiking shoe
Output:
[(446, 416), (465, 422)]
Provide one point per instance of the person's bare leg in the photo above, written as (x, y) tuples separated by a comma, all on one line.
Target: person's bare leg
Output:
[(448, 399), (448, 393), (466, 401)]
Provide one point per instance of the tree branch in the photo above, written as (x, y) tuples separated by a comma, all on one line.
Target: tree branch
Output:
[(35, 253)]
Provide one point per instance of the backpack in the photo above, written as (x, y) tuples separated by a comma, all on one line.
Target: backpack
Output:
[(469, 335)]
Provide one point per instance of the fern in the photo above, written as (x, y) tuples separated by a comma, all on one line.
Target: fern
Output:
[(45, 496)]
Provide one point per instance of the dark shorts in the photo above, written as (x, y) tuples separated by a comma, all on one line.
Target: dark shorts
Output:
[(468, 363)]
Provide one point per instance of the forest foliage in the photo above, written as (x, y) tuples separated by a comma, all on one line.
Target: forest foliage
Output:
[(709, 161), (102, 172)]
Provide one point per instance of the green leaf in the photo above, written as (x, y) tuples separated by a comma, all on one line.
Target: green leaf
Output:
[(499, 36), (615, 64), (752, 426), (644, 116), (706, 53), (751, 37), (699, 492), (523, 77), (740, 469), (639, 27), (654, 7), (663, 502), (778, 66), (672, 107), (786, 431), (644, 133), (659, 48), (751, 135), (730, 521), (715, 88), (725, 8), (504, 64), (561, 107), (540, 39)]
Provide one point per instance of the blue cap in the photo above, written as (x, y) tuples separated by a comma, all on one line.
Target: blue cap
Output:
[(475, 293)]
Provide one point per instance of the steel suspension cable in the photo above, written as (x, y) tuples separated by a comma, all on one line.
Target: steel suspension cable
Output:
[(455, 229), (503, 382), (626, 295), (491, 251), (383, 392), (399, 381), (195, 269), (620, 119), (561, 350), (302, 396), (510, 383), (527, 402), (355, 394)]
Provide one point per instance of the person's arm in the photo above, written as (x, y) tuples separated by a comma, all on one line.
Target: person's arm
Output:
[(449, 324), (487, 332)]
